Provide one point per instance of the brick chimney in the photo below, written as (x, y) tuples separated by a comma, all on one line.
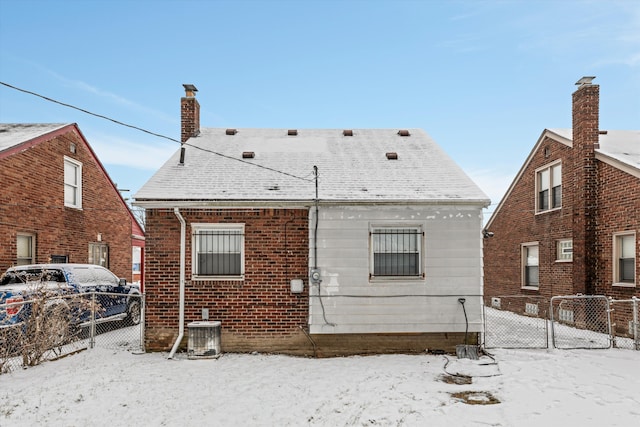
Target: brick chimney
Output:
[(585, 112), (189, 113)]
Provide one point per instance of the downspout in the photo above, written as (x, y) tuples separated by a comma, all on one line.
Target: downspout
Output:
[(183, 234)]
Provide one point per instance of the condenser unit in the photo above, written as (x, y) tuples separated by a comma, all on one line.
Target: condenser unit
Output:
[(204, 340)]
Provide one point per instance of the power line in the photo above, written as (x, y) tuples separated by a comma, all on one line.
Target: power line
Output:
[(152, 133)]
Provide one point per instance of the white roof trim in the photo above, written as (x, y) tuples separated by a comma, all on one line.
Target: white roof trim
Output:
[(625, 167)]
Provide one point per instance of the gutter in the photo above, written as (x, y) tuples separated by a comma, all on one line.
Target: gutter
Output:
[(183, 233)]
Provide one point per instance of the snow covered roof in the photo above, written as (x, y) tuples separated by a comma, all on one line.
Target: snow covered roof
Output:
[(279, 167), (12, 134), (618, 147)]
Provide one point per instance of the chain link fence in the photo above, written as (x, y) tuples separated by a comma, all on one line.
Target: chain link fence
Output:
[(516, 321), (67, 324), (567, 322), (625, 322)]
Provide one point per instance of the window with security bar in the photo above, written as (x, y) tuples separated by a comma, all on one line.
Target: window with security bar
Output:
[(396, 251), (218, 250)]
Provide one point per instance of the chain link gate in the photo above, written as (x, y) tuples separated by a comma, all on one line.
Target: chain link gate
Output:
[(580, 321), (625, 323)]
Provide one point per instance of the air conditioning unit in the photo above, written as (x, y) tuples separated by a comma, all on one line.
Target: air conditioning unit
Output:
[(204, 340)]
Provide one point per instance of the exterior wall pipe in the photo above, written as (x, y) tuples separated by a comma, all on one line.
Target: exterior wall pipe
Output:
[(183, 234)]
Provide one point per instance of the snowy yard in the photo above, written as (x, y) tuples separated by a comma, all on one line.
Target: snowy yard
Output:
[(114, 387)]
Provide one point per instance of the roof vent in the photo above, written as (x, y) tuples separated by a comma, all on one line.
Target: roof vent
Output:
[(392, 156), (231, 131), (292, 132), (347, 132), (403, 132), (248, 154), (603, 132)]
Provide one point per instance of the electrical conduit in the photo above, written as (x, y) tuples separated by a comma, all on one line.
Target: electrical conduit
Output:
[(183, 234)]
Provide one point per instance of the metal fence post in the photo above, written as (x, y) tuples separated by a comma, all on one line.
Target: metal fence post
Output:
[(92, 332), (636, 336), (143, 303)]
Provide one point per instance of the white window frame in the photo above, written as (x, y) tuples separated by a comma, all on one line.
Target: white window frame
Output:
[(73, 186), (217, 227), (628, 251), (564, 250), (23, 259), (527, 261), (419, 248), (554, 173), (99, 254)]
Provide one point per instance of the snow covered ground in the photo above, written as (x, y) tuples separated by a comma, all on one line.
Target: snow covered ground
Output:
[(115, 387)]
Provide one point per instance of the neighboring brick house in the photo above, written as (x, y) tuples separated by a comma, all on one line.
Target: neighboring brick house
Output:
[(313, 241), (570, 221), (57, 203)]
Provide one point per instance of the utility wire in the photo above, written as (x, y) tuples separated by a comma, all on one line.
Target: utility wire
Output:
[(152, 133)]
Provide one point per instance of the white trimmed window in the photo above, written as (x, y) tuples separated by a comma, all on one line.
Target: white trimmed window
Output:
[(564, 250), (549, 188), (72, 183), (396, 252), (624, 259), (218, 251), (25, 249), (530, 265), (99, 254)]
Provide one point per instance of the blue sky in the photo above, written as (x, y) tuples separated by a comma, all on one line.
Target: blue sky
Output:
[(483, 78)]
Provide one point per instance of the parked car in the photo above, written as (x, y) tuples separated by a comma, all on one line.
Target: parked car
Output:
[(115, 299)]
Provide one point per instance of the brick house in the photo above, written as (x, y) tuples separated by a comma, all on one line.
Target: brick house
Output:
[(569, 223), (312, 241), (57, 202)]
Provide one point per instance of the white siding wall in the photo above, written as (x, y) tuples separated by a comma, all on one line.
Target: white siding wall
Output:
[(452, 259)]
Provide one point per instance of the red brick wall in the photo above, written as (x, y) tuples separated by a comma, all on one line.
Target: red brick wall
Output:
[(619, 192), (190, 117), (518, 223), (32, 201), (257, 313)]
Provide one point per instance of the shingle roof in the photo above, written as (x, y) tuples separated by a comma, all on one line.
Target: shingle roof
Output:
[(12, 134), (350, 168)]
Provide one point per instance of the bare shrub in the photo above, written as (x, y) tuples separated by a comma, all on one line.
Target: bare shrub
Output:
[(50, 317)]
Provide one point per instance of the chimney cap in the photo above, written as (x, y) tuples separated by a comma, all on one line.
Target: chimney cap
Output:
[(586, 80), (190, 89)]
